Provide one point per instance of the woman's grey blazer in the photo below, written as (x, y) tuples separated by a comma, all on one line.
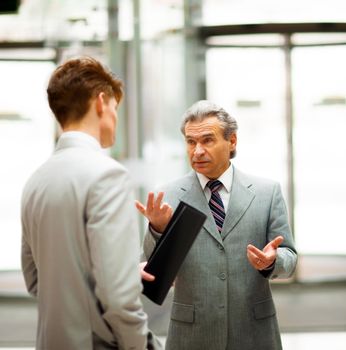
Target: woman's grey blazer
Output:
[(80, 251), (220, 301)]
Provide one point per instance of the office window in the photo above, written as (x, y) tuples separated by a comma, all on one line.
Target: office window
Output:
[(319, 86), (270, 11), (26, 140), (249, 84)]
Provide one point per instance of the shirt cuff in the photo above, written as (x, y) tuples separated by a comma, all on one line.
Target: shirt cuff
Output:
[(154, 233)]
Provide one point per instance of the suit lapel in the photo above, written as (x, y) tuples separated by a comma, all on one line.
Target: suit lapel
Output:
[(192, 193), (240, 200)]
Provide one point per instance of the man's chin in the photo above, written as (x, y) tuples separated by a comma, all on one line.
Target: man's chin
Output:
[(200, 168)]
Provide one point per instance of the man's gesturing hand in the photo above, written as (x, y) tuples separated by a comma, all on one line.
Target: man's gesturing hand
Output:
[(157, 212), (261, 259)]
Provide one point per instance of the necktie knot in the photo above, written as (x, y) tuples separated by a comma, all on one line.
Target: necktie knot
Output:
[(214, 185)]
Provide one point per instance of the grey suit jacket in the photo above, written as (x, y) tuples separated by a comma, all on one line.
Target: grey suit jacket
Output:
[(80, 250), (220, 301)]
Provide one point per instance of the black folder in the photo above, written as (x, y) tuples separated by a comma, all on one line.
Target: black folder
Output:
[(171, 250)]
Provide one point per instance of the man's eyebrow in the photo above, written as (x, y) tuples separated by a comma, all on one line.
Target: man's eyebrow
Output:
[(199, 136)]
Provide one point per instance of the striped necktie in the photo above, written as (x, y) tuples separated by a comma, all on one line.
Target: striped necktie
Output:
[(215, 203)]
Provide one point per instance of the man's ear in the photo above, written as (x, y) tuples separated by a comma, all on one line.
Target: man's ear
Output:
[(233, 139), (99, 103)]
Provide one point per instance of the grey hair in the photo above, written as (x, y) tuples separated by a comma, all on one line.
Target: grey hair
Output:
[(204, 109)]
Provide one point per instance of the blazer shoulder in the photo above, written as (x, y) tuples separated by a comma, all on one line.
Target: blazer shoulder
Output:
[(106, 171), (180, 183), (260, 186), (98, 162), (254, 180)]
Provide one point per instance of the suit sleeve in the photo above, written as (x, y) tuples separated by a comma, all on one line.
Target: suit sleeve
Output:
[(150, 239), (114, 248), (29, 269), (286, 259), (28, 264)]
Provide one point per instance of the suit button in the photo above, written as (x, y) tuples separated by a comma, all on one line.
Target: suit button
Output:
[(222, 276), (220, 246)]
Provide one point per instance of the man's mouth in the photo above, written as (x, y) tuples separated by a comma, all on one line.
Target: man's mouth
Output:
[(200, 162)]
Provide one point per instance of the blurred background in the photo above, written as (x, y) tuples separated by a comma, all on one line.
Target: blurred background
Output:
[(277, 66)]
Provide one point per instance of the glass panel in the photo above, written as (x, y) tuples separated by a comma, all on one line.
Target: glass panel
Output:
[(159, 17), (26, 140), (319, 81), (249, 84), (266, 11), (56, 19), (318, 38), (163, 105), (246, 40)]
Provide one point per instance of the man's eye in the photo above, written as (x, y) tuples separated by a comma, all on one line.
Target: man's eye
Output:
[(190, 142)]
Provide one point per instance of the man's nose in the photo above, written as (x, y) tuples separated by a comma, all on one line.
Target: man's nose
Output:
[(199, 150)]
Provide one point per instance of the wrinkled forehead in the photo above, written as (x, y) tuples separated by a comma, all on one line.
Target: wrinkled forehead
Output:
[(206, 127)]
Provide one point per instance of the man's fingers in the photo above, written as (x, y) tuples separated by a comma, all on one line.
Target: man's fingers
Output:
[(277, 241), (255, 252), (153, 204), (251, 255), (157, 204), (166, 208), (147, 276), (150, 201), (141, 208), (254, 249), (255, 260)]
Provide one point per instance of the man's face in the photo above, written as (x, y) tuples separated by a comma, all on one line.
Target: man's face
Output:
[(207, 149), (108, 122)]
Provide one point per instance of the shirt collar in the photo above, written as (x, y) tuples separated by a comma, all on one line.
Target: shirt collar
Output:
[(82, 136), (226, 179)]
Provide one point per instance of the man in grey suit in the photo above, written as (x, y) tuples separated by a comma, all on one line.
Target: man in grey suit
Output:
[(80, 241), (222, 297)]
